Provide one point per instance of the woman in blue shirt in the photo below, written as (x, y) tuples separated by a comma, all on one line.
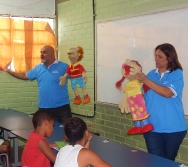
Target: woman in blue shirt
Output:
[(164, 103)]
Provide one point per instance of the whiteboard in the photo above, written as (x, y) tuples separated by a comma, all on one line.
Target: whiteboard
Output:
[(136, 38)]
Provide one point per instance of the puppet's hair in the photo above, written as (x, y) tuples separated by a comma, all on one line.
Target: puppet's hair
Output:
[(126, 68), (119, 83), (81, 51)]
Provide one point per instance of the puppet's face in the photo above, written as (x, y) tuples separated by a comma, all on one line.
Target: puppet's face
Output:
[(126, 68), (73, 54)]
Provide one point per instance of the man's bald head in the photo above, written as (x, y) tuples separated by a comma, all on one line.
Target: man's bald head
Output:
[(49, 48), (47, 55)]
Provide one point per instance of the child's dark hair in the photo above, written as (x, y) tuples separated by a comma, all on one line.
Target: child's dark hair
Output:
[(74, 129), (40, 116)]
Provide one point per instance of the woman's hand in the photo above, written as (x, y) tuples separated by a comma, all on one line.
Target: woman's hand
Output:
[(141, 77), (159, 89)]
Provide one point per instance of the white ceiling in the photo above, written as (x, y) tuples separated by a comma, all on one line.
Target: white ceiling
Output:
[(32, 8)]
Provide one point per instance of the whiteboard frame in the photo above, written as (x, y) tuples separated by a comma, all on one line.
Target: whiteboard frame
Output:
[(125, 18)]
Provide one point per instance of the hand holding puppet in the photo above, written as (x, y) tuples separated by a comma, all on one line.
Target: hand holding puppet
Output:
[(77, 74), (133, 100)]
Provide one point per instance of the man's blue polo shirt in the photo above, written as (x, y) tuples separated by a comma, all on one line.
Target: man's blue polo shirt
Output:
[(166, 114), (51, 95)]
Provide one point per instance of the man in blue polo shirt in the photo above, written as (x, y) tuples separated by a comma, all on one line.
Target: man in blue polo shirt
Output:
[(52, 96)]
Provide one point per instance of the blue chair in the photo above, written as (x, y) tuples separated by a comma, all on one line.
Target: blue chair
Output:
[(4, 160)]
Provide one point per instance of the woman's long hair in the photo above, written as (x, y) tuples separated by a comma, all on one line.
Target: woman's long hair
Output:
[(171, 54)]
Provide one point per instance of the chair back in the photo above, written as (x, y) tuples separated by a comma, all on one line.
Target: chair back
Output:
[(4, 160)]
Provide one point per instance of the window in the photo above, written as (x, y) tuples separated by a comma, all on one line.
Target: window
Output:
[(21, 40)]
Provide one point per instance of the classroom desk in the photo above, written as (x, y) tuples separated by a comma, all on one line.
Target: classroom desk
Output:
[(16, 123), (23, 134), (14, 120), (119, 155), (9, 113)]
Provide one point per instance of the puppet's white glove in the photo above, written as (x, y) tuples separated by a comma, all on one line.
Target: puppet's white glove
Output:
[(134, 68), (84, 77), (62, 80), (123, 106)]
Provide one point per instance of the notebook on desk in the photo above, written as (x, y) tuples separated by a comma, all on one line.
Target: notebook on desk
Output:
[(60, 144)]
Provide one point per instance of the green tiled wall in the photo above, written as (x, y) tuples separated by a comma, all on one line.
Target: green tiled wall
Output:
[(75, 27), (18, 94)]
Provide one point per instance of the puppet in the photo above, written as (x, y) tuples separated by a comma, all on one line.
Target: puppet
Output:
[(133, 100), (77, 74)]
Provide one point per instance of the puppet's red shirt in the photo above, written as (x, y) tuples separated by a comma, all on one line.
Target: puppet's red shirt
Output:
[(75, 70)]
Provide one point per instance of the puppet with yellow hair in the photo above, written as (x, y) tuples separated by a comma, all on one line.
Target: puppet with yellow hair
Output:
[(133, 100), (77, 74)]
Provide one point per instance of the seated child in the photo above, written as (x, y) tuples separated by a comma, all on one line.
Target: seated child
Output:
[(5, 148), (37, 151), (77, 152)]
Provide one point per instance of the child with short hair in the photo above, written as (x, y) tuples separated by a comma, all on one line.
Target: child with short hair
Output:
[(37, 151), (77, 152)]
